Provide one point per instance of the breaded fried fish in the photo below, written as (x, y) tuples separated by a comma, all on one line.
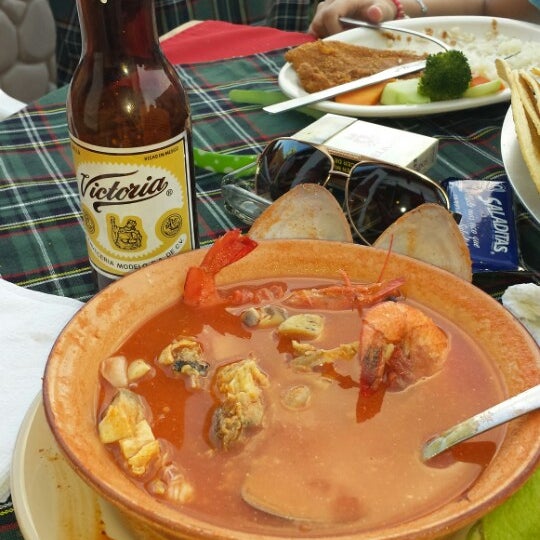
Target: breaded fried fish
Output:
[(325, 63)]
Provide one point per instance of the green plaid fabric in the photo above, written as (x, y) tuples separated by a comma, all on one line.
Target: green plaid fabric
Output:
[(41, 239), (283, 14)]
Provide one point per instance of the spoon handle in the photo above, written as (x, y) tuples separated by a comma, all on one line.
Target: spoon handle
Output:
[(494, 416), (384, 26)]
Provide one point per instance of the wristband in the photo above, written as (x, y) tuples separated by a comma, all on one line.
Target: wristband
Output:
[(400, 13)]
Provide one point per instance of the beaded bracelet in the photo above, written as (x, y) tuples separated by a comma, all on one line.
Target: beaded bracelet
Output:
[(400, 13)]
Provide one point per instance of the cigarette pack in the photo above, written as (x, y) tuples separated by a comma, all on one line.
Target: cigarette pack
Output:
[(350, 140)]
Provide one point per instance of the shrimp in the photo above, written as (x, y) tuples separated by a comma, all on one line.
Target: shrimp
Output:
[(346, 296), (200, 286), (399, 346)]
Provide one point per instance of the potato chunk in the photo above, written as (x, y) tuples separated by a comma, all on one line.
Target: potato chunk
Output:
[(124, 422), (143, 435), (114, 370), (139, 462), (137, 370), (302, 326), (123, 414)]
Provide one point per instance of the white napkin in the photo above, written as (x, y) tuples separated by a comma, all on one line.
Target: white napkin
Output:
[(9, 105), (523, 301), (29, 324)]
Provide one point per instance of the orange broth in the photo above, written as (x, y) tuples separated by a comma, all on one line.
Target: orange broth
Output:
[(358, 474)]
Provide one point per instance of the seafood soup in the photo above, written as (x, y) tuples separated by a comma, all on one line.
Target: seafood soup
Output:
[(286, 410)]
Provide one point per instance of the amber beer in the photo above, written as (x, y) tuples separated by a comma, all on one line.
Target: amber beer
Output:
[(130, 129)]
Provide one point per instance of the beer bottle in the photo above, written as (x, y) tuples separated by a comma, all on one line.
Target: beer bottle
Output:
[(130, 130)]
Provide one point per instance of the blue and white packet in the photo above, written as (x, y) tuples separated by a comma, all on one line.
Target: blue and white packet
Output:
[(487, 222)]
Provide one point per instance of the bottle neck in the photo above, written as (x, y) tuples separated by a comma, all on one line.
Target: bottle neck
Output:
[(118, 27)]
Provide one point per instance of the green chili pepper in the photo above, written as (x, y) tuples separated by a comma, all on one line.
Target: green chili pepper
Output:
[(221, 163)]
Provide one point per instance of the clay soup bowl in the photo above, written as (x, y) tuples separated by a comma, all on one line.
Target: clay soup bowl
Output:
[(71, 384)]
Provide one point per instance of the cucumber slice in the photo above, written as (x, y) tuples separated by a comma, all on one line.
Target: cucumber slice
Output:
[(403, 92), (484, 89)]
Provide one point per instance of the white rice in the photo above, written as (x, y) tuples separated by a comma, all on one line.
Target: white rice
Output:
[(482, 50)]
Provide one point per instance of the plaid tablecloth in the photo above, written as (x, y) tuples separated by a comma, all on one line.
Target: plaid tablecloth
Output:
[(41, 239)]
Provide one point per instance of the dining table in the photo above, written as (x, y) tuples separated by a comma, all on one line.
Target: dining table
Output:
[(42, 244)]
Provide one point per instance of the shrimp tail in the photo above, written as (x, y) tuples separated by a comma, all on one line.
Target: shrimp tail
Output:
[(200, 287), (229, 248)]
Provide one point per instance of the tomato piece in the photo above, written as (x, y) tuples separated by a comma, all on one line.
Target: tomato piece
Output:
[(478, 79)]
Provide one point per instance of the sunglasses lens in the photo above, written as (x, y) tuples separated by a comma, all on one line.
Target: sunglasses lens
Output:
[(286, 163), (379, 194)]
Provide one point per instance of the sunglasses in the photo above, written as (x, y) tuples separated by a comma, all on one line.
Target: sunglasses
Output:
[(373, 194)]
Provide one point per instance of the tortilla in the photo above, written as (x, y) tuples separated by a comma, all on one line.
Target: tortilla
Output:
[(530, 94), (525, 111)]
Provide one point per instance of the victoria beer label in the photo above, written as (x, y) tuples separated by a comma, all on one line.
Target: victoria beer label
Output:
[(135, 203)]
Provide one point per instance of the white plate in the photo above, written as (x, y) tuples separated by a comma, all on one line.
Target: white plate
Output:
[(479, 26), (50, 500), (517, 170)]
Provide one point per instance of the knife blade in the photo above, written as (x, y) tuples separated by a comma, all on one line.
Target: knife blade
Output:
[(390, 73)]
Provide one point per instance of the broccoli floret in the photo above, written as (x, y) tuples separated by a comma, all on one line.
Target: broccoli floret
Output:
[(446, 76)]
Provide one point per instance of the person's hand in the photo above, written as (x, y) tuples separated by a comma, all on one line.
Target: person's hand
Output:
[(326, 19)]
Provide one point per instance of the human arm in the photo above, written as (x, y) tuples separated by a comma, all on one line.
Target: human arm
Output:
[(326, 19)]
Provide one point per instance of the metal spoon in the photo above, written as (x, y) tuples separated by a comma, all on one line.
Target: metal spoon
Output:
[(384, 26), (507, 410)]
